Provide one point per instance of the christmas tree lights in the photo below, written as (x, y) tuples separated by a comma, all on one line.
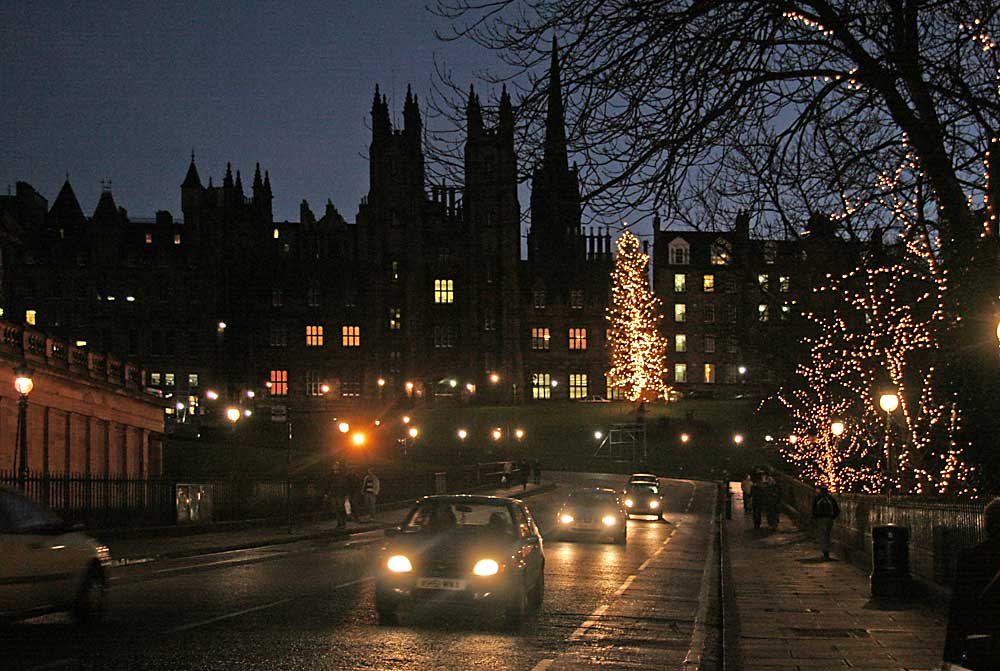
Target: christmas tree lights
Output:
[(638, 348)]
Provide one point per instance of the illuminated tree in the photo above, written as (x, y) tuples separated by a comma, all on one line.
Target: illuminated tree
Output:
[(638, 348)]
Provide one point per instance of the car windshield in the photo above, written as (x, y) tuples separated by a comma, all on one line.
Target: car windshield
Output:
[(641, 488), (590, 498), (442, 515)]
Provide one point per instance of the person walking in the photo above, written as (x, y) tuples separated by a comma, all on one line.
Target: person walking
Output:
[(757, 498), (824, 511), (353, 493), (973, 635), (773, 501), (337, 494), (524, 473), (536, 470), (371, 487), (746, 486)]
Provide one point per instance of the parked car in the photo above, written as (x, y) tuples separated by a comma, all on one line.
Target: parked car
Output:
[(593, 512), (462, 549), (594, 399), (47, 565), (641, 498)]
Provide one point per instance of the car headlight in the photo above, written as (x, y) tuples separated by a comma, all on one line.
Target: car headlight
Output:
[(654, 504), (399, 564), (486, 567), (566, 518), (629, 503), (609, 520)]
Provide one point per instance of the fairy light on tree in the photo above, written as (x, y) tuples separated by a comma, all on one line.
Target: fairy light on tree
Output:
[(638, 348)]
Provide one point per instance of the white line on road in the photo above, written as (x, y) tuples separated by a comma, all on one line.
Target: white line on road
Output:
[(582, 629), (221, 562), (542, 665), (247, 611), (643, 565), (624, 586)]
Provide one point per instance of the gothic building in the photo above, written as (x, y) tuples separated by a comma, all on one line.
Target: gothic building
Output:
[(424, 297)]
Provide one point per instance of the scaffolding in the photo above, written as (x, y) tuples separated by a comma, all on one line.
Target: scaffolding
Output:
[(624, 442)]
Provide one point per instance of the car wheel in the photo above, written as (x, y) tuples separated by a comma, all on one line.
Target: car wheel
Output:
[(517, 606), (538, 592), (88, 608)]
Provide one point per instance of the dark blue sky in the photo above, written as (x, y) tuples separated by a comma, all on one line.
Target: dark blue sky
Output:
[(125, 91)]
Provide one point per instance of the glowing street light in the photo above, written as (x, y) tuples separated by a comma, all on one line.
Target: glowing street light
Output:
[(358, 438), (792, 439), (888, 402), (598, 435), (494, 378), (409, 388), (406, 419), (685, 437), (837, 428), (250, 393), (247, 412), (233, 414), (23, 384), (497, 434), (738, 439), (469, 387), (519, 433), (324, 389), (452, 383), (413, 432), (381, 382), (462, 434), (343, 427), (742, 370)]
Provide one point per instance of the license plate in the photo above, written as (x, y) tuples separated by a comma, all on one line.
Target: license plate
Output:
[(441, 583)]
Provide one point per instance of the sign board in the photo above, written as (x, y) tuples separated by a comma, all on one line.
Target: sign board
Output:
[(279, 413)]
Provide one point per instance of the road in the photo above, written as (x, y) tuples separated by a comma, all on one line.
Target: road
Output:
[(308, 605)]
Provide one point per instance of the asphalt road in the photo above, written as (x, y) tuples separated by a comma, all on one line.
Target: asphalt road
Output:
[(308, 605)]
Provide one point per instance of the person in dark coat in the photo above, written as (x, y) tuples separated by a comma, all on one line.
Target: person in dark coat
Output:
[(536, 470), (824, 511), (354, 494), (525, 473), (338, 490), (758, 498), (973, 638)]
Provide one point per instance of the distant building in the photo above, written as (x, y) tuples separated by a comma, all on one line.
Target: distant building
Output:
[(426, 296)]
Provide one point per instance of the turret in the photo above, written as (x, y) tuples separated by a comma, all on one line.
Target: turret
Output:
[(239, 187), (473, 115), (506, 113), (381, 127), (411, 117), (191, 190)]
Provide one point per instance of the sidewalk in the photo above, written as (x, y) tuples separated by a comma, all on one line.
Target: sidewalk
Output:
[(796, 611), (176, 544)]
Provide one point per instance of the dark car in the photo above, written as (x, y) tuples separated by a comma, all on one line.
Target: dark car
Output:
[(642, 498), (593, 512), (462, 549)]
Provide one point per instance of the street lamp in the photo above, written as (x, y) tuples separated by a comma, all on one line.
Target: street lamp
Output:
[(685, 437), (233, 414), (598, 435), (888, 401), (413, 432), (497, 434), (792, 439), (406, 419), (358, 438), (519, 433), (738, 439), (837, 428), (343, 427), (462, 434), (23, 384)]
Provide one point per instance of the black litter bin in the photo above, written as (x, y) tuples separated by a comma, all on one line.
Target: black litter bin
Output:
[(890, 561)]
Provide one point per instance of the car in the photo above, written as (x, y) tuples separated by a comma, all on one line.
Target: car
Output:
[(647, 478), (47, 565), (642, 498), (462, 549), (593, 512), (594, 399)]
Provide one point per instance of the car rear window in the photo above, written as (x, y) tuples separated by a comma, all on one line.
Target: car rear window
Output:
[(584, 498)]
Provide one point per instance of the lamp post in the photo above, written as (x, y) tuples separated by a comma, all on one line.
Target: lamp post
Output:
[(23, 384), (888, 401), (233, 414)]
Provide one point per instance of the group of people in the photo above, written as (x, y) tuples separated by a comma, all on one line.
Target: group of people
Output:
[(762, 497), (348, 492), (526, 472)]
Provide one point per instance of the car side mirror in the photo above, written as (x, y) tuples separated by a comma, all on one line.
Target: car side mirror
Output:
[(392, 531)]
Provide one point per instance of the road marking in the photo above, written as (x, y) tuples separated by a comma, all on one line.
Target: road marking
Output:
[(624, 585), (221, 562), (56, 664), (643, 565), (542, 665), (247, 611), (582, 629)]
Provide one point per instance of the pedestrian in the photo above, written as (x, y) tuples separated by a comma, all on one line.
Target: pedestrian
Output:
[(524, 472), (337, 493), (354, 493), (371, 487), (757, 498), (773, 501), (508, 469), (973, 638), (824, 511), (536, 469), (746, 486)]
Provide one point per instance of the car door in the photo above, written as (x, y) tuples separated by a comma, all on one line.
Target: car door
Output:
[(531, 542)]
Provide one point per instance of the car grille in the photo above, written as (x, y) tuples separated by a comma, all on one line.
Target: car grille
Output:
[(443, 568)]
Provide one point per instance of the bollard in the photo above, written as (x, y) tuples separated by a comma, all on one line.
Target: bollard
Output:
[(890, 561)]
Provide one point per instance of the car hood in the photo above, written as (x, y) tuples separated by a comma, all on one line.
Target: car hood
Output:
[(459, 546)]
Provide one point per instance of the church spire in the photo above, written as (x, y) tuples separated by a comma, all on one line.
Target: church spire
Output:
[(555, 152), (473, 114), (381, 126), (191, 180), (411, 114)]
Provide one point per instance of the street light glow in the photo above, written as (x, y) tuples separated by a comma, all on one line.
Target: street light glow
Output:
[(598, 435), (792, 439), (23, 382), (233, 414), (212, 395), (888, 402), (381, 382), (413, 432), (497, 433), (742, 370), (494, 378), (837, 428), (324, 388), (247, 412), (738, 439), (685, 437), (250, 393), (463, 434), (406, 419), (519, 433), (343, 427), (358, 438)]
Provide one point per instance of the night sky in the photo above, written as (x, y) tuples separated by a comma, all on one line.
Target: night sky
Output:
[(125, 91)]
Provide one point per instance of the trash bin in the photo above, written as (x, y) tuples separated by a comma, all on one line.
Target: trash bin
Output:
[(890, 561)]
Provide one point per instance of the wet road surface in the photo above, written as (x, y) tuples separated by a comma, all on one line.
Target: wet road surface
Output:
[(308, 605)]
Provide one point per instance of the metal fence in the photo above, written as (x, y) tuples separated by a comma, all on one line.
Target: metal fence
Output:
[(119, 502), (939, 529)]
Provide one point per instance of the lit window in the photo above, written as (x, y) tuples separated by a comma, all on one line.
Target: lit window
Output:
[(395, 319), (762, 313), (538, 298), (314, 386), (154, 379), (192, 404), (783, 284), (577, 385), (30, 316), (680, 282), (275, 233), (444, 337), (680, 252), (541, 385), (177, 238), (149, 238), (680, 312), (680, 372), (314, 336), (444, 291), (613, 393), (168, 379), (709, 344), (709, 313), (279, 382), (721, 255), (350, 336), (770, 251), (192, 380), (277, 298), (762, 282), (576, 299), (578, 338), (708, 284), (709, 372), (540, 339), (680, 342)]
